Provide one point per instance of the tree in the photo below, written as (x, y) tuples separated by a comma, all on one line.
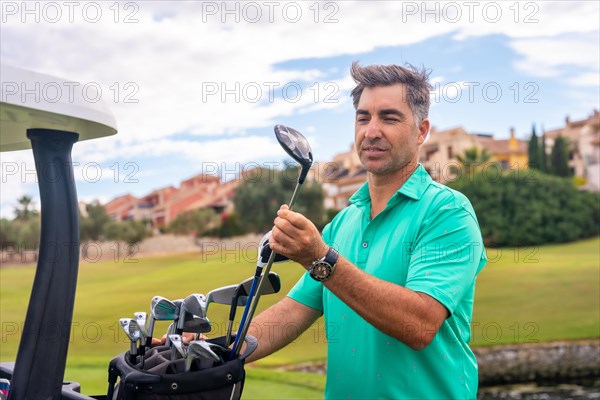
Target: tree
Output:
[(194, 222), (23, 211), (543, 152), (127, 231), (471, 160), (527, 209), (23, 231), (533, 151), (92, 227), (559, 157), (258, 198)]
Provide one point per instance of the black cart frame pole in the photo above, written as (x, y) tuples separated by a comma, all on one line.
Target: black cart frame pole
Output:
[(42, 356)]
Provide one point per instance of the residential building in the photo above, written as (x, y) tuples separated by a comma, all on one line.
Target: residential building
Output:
[(162, 206), (438, 153), (344, 175), (120, 208), (584, 147)]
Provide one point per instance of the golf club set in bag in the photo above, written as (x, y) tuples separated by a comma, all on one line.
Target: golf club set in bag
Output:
[(203, 368)]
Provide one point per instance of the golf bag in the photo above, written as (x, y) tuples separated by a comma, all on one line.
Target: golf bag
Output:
[(162, 378)]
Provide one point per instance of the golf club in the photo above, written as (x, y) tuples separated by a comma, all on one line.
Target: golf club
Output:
[(173, 327), (221, 295), (242, 291), (132, 330), (176, 346), (255, 282), (296, 145), (161, 309), (199, 348), (140, 318), (196, 325), (190, 306)]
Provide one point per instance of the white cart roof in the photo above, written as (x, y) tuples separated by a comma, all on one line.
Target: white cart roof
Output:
[(32, 100)]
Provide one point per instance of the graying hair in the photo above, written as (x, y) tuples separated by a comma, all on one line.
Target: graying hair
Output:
[(416, 80)]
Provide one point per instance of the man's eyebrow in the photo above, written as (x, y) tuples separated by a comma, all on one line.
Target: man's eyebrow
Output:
[(392, 111), (362, 112)]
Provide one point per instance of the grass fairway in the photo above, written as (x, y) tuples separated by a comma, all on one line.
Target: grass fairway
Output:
[(535, 294), (523, 295)]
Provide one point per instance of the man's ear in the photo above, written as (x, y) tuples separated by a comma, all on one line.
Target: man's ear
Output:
[(423, 131)]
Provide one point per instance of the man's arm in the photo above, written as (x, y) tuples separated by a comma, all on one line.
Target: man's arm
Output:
[(411, 317), (268, 326)]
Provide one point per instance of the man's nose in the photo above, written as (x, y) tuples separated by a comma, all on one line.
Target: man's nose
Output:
[(373, 129)]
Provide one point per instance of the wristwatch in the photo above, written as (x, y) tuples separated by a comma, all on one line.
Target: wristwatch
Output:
[(323, 268)]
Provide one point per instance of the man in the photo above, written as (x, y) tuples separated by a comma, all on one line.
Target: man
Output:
[(398, 298)]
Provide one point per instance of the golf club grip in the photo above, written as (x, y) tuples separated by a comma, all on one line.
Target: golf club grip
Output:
[(150, 332), (239, 339)]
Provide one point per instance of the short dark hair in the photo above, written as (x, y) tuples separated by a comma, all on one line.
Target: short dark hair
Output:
[(415, 79)]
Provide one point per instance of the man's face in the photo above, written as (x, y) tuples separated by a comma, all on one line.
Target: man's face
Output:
[(386, 135)]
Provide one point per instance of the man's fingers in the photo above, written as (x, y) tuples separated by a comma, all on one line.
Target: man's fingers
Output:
[(294, 218), (188, 337), (286, 227), (185, 336)]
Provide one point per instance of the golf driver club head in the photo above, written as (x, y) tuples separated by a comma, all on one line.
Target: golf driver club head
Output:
[(296, 145)]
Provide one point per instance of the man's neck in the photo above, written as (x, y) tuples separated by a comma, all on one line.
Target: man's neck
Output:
[(383, 187)]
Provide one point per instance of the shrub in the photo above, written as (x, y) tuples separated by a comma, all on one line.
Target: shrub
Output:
[(526, 207)]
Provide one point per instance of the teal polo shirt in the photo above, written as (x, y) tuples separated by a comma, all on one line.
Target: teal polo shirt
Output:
[(427, 239)]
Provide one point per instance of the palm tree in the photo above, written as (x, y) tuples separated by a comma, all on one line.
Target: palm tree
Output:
[(23, 212), (471, 159)]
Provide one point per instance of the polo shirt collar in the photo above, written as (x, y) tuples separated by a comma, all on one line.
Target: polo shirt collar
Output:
[(417, 184), (414, 187)]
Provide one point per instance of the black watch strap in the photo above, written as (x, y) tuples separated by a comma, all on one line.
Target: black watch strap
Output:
[(332, 256)]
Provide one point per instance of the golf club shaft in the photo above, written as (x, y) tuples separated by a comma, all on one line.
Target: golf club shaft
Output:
[(255, 284), (239, 339), (228, 335)]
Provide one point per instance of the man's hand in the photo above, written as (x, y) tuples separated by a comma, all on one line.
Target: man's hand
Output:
[(295, 237)]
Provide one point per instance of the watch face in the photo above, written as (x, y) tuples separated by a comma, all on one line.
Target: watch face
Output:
[(322, 270)]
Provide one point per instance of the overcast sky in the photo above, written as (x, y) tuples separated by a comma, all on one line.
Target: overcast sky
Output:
[(199, 85)]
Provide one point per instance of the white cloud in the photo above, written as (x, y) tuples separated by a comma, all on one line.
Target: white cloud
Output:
[(589, 79), (168, 60), (548, 57)]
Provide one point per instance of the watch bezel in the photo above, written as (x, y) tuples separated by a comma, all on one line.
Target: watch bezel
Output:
[(316, 265)]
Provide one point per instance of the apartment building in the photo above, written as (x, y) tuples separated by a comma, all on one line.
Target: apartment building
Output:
[(162, 206), (584, 147)]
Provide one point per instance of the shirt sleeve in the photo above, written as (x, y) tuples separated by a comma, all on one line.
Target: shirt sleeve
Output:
[(447, 255), (307, 290)]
